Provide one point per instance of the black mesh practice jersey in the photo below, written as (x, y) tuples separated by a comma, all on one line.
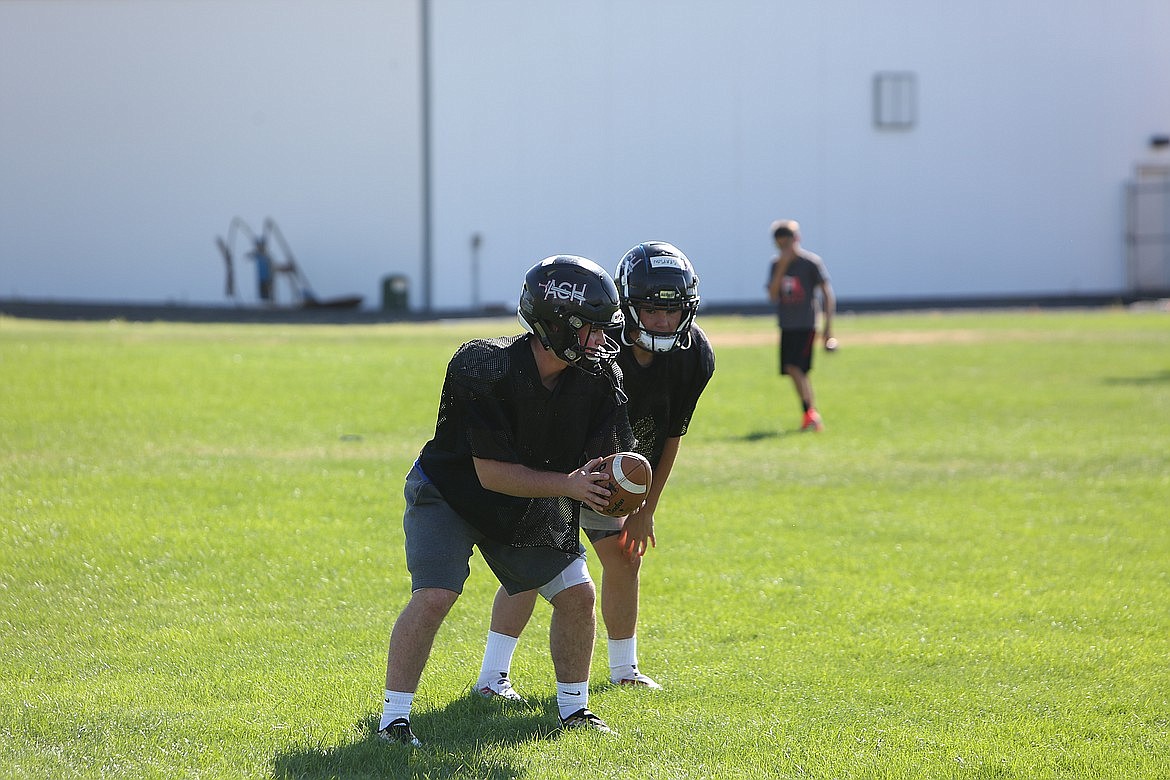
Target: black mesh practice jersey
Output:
[(495, 407), (663, 395)]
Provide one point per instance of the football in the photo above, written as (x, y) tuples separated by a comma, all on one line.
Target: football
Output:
[(629, 482)]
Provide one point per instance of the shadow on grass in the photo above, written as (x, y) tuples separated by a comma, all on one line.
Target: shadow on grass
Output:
[(761, 435), (470, 737), (1152, 379)]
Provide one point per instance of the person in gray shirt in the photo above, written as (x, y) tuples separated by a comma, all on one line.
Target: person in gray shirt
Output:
[(794, 279)]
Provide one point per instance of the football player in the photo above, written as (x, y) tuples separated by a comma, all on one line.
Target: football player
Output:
[(505, 473), (666, 362)]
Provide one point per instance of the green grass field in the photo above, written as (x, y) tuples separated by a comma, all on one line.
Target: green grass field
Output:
[(967, 575)]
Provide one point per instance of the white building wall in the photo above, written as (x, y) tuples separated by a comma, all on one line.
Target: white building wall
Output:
[(133, 131), (589, 127)]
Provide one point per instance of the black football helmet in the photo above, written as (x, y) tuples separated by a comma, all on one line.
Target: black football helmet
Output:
[(563, 294), (658, 275)]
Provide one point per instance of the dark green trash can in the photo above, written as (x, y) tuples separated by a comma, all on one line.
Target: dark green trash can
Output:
[(395, 293)]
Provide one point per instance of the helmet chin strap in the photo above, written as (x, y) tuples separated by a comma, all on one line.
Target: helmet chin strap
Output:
[(611, 370), (606, 368)]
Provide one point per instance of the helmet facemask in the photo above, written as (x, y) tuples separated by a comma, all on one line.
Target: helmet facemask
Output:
[(563, 336), (655, 340)]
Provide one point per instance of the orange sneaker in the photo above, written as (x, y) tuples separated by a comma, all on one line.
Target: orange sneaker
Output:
[(812, 421)]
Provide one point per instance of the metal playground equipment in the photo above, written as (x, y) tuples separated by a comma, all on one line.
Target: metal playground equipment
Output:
[(270, 269)]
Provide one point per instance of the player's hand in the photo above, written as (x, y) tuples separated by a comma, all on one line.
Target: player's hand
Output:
[(637, 535), (830, 343), (584, 485)]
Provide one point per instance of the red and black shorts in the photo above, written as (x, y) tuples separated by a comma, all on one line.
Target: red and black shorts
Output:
[(796, 349)]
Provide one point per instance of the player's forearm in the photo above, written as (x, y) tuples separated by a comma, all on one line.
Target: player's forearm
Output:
[(662, 472), (829, 309), (514, 479), (830, 301), (774, 290), (773, 285)]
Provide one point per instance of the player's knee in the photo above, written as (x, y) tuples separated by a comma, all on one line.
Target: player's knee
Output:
[(616, 563), (631, 567), (579, 598), (433, 604)]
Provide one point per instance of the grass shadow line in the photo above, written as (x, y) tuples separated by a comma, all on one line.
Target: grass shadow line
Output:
[(760, 435), (454, 739), (1139, 381)]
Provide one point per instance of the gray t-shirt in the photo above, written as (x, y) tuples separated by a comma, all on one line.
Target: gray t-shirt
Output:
[(797, 309)]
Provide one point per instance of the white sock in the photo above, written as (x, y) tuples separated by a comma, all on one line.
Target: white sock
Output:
[(395, 705), (572, 697), (623, 657), (497, 658)]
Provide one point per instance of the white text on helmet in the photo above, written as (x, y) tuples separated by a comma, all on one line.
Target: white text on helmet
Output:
[(564, 291), (666, 261)]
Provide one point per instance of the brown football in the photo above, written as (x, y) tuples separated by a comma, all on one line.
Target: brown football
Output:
[(628, 483)]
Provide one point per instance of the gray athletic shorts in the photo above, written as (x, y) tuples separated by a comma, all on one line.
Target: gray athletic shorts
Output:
[(597, 526), (439, 546)]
